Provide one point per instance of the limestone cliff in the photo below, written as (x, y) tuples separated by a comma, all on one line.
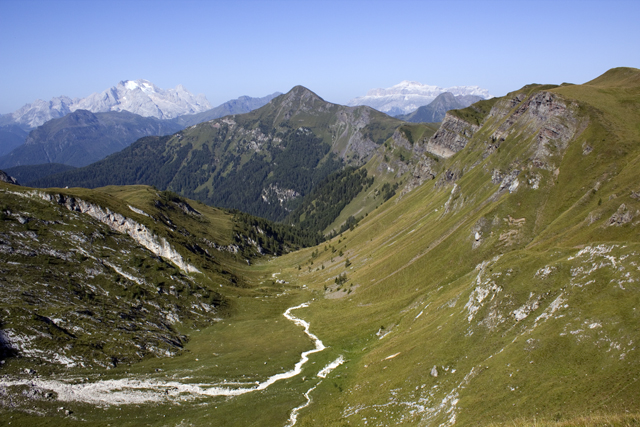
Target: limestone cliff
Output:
[(546, 118), (453, 136), (139, 232)]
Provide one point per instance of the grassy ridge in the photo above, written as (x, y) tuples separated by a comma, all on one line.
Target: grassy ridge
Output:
[(553, 334)]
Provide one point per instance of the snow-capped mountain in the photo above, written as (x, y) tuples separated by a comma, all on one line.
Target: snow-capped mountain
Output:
[(408, 96), (136, 96)]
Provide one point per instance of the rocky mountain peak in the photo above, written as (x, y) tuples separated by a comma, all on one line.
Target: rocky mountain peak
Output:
[(298, 100), (302, 94), (143, 85), (136, 96)]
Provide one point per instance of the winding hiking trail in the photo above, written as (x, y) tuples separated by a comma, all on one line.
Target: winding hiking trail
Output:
[(139, 391)]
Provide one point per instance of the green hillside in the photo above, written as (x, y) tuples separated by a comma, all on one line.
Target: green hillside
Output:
[(515, 283), (497, 284)]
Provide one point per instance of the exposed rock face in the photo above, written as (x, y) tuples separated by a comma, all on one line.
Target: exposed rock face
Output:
[(448, 176), (622, 216), (102, 299), (510, 181), (8, 179), (401, 141), (139, 232), (548, 117), (453, 136), (424, 171), (146, 99), (40, 111), (275, 194), (434, 371), (348, 126)]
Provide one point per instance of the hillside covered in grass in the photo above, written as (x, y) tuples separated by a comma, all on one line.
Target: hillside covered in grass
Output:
[(505, 289)]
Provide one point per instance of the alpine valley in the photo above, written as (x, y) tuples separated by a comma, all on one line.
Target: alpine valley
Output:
[(481, 271)]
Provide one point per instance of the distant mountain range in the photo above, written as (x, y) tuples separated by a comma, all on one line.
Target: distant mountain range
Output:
[(241, 105), (84, 136), (12, 136), (136, 96), (437, 109), (262, 162), (408, 96)]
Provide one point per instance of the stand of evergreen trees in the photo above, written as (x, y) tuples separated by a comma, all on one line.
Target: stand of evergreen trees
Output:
[(325, 202), (275, 238)]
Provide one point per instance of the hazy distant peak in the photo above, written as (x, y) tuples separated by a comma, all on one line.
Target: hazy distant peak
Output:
[(404, 87), (408, 96)]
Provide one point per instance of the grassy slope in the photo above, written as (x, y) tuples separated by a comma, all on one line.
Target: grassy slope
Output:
[(410, 258)]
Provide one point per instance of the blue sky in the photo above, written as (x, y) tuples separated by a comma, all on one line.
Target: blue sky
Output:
[(338, 48)]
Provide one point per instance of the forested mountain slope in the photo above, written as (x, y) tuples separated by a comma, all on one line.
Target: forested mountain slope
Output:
[(82, 137)]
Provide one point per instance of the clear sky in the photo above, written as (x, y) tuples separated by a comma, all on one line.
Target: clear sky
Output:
[(338, 48)]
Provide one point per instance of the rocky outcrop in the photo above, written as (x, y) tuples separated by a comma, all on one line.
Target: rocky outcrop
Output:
[(453, 136), (399, 139), (424, 171), (8, 179), (139, 232), (548, 117), (622, 216), (275, 194), (510, 181), (77, 294), (348, 127)]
